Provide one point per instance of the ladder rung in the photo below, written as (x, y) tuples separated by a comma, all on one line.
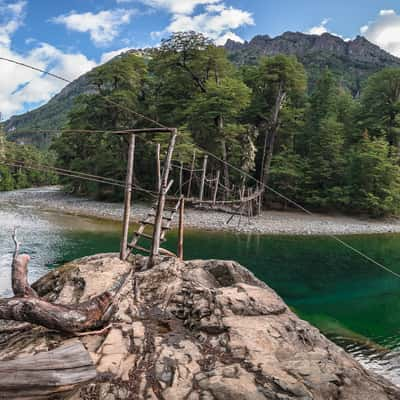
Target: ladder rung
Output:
[(166, 218), (145, 235), (140, 248), (152, 223)]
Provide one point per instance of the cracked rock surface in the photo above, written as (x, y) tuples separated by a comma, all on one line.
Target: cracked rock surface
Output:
[(199, 330)]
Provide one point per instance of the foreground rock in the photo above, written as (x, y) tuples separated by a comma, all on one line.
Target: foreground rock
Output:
[(198, 330)]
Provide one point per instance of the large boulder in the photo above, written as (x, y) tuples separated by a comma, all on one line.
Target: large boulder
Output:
[(196, 330)]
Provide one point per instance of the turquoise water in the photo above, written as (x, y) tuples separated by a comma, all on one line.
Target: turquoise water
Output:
[(355, 303)]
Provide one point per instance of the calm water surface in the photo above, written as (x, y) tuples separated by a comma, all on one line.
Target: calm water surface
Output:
[(356, 304)]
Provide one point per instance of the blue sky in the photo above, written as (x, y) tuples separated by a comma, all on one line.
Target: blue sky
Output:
[(71, 37)]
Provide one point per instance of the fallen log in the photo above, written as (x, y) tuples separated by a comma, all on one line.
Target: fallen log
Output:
[(27, 306), (57, 372), (65, 318)]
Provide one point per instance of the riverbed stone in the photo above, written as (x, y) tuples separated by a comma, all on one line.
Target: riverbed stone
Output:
[(200, 330)]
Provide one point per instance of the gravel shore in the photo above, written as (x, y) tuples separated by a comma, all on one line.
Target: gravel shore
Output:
[(270, 222)]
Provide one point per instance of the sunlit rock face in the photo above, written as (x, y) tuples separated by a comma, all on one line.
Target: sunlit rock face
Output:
[(196, 330)]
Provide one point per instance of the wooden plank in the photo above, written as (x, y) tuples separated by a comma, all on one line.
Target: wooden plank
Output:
[(144, 130), (181, 228), (203, 178), (161, 200), (48, 373), (216, 187), (140, 248), (128, 198), (158, 166), (191, 174)]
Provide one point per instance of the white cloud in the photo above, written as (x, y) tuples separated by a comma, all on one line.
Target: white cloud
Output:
[(319, 29), (11, 18), (103, 27), (228, 36), (178, 6), (384, 31), (217, 22), (111, 54), (323, 28), (25, 86)]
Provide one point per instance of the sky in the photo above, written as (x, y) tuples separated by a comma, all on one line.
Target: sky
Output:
[(70, 37)]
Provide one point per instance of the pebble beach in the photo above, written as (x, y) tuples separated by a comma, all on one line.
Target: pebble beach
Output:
[(269, 223)]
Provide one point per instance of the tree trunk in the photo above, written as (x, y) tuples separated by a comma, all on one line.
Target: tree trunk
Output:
[(26, 306), (220, 123), (82, 317), (270, 136)]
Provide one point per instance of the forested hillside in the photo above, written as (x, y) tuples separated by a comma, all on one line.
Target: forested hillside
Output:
[(326, 148), (14, 176), (350, 62)]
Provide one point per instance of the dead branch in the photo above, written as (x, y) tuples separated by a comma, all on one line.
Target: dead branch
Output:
[(28, 307)]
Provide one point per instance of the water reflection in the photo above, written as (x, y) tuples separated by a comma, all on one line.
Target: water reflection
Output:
[(356, 304)]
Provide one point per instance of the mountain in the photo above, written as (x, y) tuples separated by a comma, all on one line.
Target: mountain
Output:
[(52, 115), (351, 61)]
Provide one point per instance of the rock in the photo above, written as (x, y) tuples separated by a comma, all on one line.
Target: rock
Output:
[(200, 330)]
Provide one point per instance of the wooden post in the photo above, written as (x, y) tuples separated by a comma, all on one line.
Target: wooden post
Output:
[(158, 167), (181, 179), (203, 177), (181, 228), (191, 175), (155, 248), (216, 187), (128, 197)]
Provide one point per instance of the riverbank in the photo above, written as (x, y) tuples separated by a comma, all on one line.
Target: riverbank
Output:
[(269, 223)]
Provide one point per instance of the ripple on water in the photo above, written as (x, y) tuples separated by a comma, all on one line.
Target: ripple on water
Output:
[(354, 303)]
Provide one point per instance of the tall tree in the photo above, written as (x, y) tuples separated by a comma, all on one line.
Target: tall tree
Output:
[(380, 106), (191, 72), (276, 82)]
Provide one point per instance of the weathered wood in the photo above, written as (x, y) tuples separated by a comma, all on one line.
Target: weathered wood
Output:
[(203, 178), (26, 306), (19, 271), (46, 374), (161, 200), (158, 166), (191, 174), (181, 179), (66, 318), (128, 197), (181, 228), (216, 187), (19, 276)]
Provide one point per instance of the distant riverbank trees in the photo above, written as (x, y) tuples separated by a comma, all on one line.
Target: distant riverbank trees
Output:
[(324, 149), (14, 176)]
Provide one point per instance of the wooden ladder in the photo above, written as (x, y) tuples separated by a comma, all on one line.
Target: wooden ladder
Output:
[(150, 221)]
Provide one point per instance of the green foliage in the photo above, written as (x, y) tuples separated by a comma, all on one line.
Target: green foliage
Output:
[(319, 154), (13, 176), (287, 174), (374, 178), (380, 105)]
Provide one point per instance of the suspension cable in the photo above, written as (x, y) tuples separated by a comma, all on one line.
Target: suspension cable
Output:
[(244, 173)]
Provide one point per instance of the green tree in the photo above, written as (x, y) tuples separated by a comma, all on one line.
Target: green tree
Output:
[(324, 180), (286, 176), (276, 83), (374, 178), (380, 106), (6, 179), (120, 88)]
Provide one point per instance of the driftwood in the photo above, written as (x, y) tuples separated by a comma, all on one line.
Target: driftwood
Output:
[(56, 372), (27, 306)]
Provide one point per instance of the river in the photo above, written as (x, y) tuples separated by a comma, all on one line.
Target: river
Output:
[(354, 303)]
